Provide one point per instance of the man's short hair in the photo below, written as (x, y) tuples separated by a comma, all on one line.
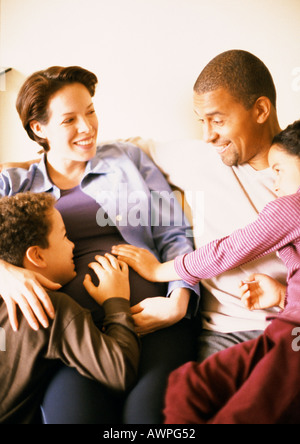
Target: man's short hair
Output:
[(24, 222), (242, 74)]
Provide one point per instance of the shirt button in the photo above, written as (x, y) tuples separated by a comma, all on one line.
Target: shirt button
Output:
[(119, 218)]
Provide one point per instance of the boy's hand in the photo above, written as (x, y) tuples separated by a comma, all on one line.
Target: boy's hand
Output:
[(141, 260), (259, 291), (113, 279)]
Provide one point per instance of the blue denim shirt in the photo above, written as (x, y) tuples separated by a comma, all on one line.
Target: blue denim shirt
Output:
[(134, 194)]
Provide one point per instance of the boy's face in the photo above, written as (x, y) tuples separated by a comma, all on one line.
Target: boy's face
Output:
[(287, 170), (59, 255)]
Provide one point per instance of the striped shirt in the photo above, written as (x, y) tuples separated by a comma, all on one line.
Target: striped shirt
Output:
[(276, 229)]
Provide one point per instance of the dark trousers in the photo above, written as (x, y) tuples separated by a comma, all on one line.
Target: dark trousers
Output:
[(73, 399), (256, 382)]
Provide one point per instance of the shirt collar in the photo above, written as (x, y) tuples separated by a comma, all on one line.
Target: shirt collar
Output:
[(98, 165), (43, 183)]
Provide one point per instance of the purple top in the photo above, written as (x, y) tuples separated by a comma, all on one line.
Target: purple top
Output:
[(79, 211)]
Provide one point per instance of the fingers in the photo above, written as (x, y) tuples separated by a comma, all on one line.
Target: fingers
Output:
[(12, 314), (113, 261), (126, 252), (47, 283), (43, 301), (107, 263), (136, 309), (126, 248), (25, 302), (124, 267), (88, 284)]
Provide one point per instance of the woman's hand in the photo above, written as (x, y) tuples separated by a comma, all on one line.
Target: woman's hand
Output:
[(153, 314), (260, 291), (141, 260), (146, 264), (23, 288), (113, 279)]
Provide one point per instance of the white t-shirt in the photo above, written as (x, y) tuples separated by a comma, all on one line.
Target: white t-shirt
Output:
[(222, 199)]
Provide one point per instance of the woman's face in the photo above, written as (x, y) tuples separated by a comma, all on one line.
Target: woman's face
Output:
[(72, 128)]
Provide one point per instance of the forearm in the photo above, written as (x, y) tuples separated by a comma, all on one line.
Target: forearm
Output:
[(166, 272), (110, 358), (269, 233)]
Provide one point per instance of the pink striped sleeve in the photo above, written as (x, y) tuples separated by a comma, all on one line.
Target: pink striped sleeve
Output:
[(277, 226)]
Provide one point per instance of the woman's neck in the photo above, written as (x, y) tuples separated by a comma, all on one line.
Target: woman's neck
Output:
[(64, 173)]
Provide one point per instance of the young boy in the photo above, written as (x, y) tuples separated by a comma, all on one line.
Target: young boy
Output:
[(257, 381), (33, 236)]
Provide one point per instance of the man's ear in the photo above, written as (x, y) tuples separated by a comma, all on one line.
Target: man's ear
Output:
[(37, 128), (34, 256), (263, 108)]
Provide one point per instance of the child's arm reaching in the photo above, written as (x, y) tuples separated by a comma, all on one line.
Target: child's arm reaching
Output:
[(146, 264), (259, 292), (277, 226)]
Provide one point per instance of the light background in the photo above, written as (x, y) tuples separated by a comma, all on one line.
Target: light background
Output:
[(147, 55)]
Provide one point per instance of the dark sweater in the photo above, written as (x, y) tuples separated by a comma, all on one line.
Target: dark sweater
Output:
[(25, 366)]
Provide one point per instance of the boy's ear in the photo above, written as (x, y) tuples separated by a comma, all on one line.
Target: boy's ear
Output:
[(263, 107), (34, 255)]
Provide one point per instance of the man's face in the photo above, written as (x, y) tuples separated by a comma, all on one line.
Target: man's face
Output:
[(229, 126)]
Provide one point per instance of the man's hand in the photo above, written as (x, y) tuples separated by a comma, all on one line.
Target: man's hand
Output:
[(259, 291), (153, 314), (113, 279), (23, 288)]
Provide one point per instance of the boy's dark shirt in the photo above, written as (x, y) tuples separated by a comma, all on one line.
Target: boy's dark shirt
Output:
[(110, 358)]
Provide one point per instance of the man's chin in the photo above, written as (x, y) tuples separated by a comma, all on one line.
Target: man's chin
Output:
[(230, 159)]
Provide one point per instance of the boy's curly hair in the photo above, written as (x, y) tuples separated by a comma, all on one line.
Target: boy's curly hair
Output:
[(24, 223)]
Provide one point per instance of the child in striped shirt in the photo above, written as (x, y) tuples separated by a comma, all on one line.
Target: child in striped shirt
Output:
[(257, 381)]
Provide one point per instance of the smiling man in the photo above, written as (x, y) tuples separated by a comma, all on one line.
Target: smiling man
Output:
[(235, 102)]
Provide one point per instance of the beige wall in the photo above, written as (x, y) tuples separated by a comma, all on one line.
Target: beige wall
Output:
[(147, 55)]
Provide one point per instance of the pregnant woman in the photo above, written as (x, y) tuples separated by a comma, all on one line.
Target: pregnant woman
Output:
[(105, 196)]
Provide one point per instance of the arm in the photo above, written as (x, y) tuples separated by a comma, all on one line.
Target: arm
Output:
[(170, 229), (24, 165), (111, 358), (277, 225)]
